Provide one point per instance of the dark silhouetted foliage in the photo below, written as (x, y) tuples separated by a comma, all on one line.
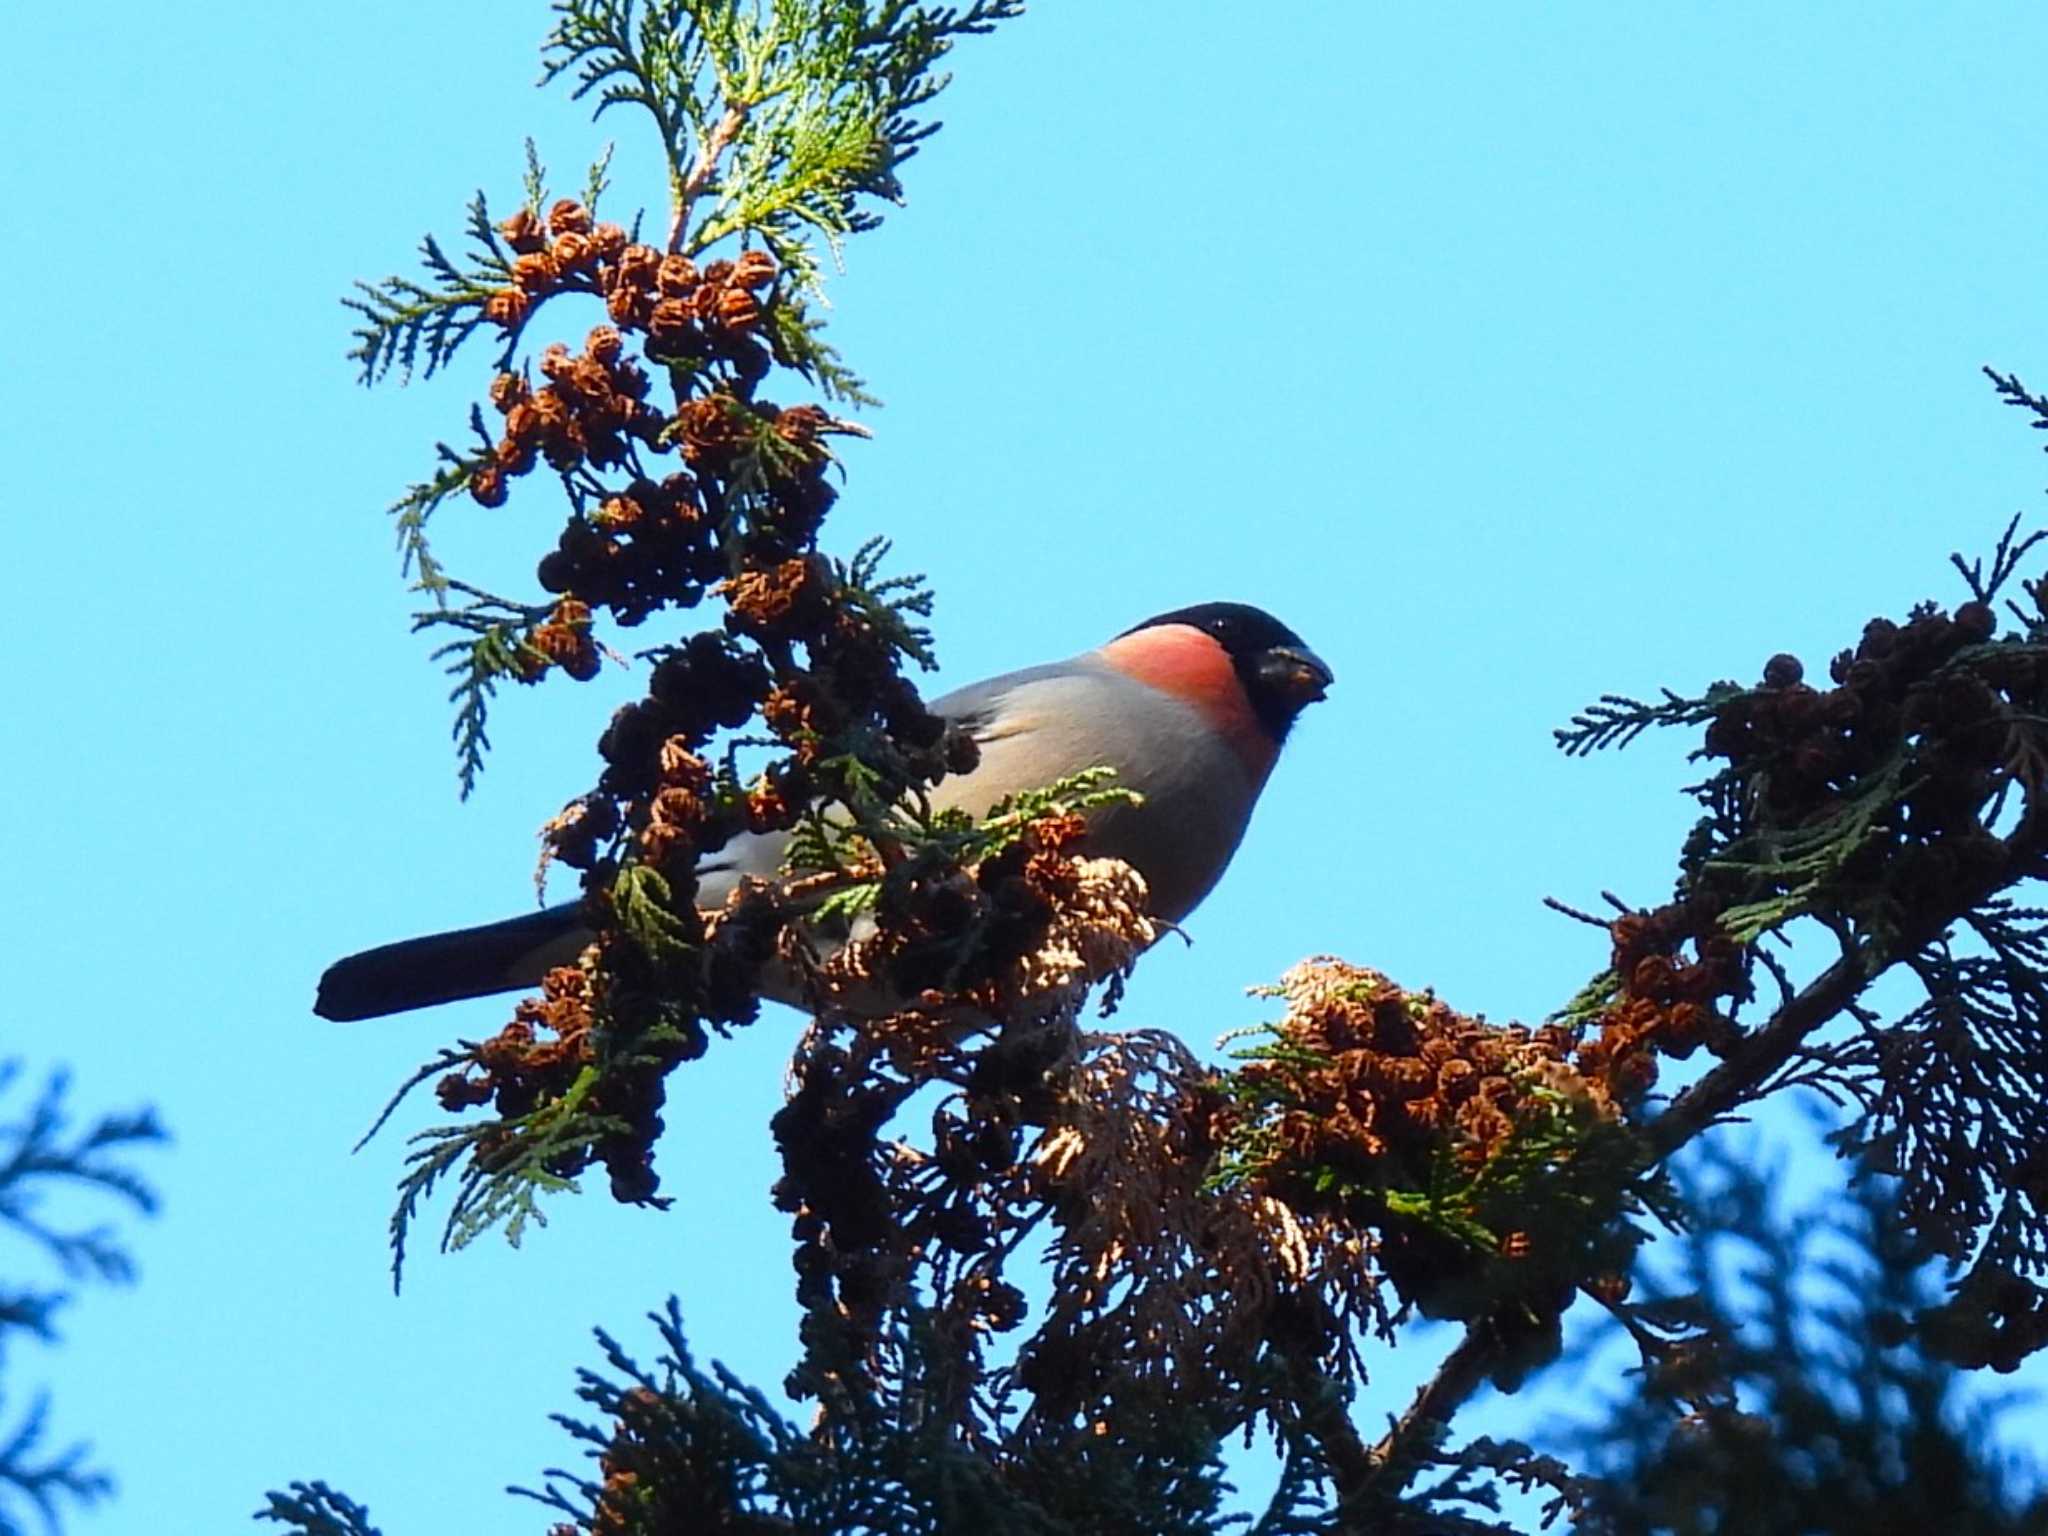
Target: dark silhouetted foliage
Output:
[(1842, 1423), (46, 1165)]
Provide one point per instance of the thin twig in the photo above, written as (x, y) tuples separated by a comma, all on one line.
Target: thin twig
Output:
[(1575, 914), (716, 143)]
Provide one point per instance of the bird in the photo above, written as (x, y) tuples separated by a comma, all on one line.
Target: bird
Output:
[(1190, 708)]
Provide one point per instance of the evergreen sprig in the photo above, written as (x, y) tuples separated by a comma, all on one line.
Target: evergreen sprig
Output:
[(796, 335), (917, 836), (494, 646), (42, 1480), (684, 1448), (501, 1170), (412, 324), (1474, 1476), (1616, 720), (42, 1156), (972, 839), (788, 118), (314, 1509), (1955, 1108), (2016, 394), (1802, 867), (1988, 577), (420, 502), (1589, 1002), (889, 603)]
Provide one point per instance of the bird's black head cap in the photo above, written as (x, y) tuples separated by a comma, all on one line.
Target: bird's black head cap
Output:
[(1281, 675)]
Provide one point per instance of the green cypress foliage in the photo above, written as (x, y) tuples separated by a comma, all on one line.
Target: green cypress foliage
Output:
[(1222, 1243)]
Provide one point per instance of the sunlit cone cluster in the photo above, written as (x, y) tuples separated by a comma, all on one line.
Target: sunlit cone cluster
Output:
[(546, 1043), (692, 314), (1020, 931), (1673, 966), (565, 250), (1016, 937), (593, 405), (1400, 1078), (1448, 1133), (563, 640), (739, 516)]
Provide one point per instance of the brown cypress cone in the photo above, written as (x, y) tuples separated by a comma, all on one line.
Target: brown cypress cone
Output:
[(571, 252), (568, 217), (487, 486), (507, 308), (737, 309), (523, 232), (677, 276), (535, 272), (753, 269)]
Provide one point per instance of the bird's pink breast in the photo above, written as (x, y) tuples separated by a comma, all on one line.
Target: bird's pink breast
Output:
[(1187, 663)]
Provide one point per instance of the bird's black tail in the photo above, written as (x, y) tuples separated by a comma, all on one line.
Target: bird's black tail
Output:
[(443, 967)]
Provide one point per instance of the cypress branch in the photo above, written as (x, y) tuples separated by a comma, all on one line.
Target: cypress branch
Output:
[(1221, 1243)]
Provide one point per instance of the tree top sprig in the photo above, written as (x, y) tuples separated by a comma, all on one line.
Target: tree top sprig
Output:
[(781, 122)]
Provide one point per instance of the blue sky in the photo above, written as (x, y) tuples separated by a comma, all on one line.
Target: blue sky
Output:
[(1512, 355)]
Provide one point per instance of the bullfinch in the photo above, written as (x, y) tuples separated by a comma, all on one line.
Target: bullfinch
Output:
[(1190, 709)]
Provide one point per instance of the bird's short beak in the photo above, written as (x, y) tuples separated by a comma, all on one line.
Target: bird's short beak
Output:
[(1296, 673)]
